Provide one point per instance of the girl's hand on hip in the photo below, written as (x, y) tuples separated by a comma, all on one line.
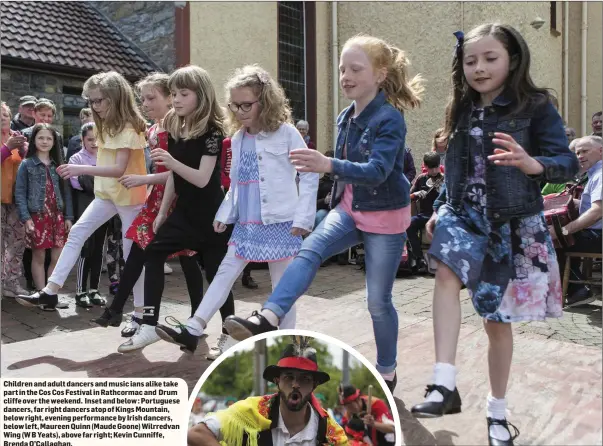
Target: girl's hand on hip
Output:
[(512, 154), (309, 160), (29, 226), (159, 220), (67, 171), (129, 181), (163, 158), (219, 227), (68, 225), (430, 225), (298, 232)]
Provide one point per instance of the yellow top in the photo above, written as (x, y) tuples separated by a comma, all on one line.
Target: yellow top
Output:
[(109, 188)]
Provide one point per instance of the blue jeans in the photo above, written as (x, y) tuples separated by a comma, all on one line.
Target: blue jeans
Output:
[(320, 216), (336, 233)]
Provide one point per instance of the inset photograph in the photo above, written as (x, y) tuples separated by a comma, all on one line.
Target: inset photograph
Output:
[(292, 389)]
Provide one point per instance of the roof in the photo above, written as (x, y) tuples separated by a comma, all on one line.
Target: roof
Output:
[(69, 37)]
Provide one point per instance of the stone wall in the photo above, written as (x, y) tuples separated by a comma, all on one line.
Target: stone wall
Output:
[(150, 25), (19, 82)]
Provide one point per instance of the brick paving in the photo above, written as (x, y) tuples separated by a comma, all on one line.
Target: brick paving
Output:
[(557, 363)]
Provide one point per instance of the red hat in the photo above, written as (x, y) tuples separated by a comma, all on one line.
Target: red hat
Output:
[(297, 356)]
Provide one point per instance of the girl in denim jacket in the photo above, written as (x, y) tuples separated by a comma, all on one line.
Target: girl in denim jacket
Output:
[(505, 137), (44, 202), (269, 214), (370, 202)]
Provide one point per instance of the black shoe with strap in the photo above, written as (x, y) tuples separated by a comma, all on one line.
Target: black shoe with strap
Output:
[(241, 329), (451, 403), (496, 442), (178, 335), (109, 317), (83, 301), (40, 299), (249, 283), (392, 384)]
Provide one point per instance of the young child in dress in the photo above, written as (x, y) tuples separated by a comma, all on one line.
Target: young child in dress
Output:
[(370, 202), (120, 136), (44, 201), (504, 137), (263, 202), (195, 127), (91, 258), (13, 150), (156, 103)]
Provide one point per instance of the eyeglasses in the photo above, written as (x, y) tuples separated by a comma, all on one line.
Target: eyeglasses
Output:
[(95, 102), (244, 106)]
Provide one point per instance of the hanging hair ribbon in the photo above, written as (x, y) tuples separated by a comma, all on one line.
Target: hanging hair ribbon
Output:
[(460, 40)]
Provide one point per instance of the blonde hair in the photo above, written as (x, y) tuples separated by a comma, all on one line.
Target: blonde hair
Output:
[(274, 105), (85, 112), (438, 136), (158, 81), (402, 93), (207, 112), (122, 109)]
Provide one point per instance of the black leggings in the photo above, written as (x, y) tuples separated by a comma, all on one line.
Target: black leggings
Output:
[(133, 269), (177, 233), (91, 261)]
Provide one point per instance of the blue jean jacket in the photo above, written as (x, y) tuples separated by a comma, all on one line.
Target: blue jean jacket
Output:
[(374, 162), (30, 189), (511, 193)]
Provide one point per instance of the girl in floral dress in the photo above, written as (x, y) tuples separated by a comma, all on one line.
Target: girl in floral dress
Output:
[(156, 102), (490, 235), (44, 201)]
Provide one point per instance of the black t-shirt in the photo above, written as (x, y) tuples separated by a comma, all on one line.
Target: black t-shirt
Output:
[(198, 203), (426, 204)]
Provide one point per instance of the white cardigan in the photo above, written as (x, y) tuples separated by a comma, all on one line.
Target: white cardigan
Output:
[(280, 199)]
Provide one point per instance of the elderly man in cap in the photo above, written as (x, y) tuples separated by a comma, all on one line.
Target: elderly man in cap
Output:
[(291, 416), (25, 117)]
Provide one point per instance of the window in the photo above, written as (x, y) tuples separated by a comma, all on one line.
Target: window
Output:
[(291, 55)]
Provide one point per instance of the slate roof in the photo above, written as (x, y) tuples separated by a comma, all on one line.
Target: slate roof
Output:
[(67, 36)]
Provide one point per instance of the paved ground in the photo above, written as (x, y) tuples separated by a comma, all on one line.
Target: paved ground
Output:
[(554, 393)]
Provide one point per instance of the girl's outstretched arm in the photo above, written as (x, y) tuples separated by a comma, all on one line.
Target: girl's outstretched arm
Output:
[(115, 171)]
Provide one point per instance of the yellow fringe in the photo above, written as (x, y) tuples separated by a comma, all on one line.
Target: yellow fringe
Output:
[(240, 418)]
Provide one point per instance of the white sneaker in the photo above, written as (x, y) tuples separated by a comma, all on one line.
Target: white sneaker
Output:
[(167, 269), (144, 336), (224, 343)]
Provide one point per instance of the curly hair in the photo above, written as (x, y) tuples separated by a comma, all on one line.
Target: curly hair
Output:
[(275, 109)]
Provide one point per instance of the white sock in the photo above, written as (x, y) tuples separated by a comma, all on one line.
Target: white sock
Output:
[(269, 315), (497, 409), (47, 290), (194, 326), (443, 375), (388, 376), (137, 314)]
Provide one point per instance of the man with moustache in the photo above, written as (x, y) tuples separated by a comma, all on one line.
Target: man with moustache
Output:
[(293, 416)]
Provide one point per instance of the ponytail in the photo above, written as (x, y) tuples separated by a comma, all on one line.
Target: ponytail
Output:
[(401, 93)]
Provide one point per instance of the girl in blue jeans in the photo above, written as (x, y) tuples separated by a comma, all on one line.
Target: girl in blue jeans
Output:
[(370, 198)]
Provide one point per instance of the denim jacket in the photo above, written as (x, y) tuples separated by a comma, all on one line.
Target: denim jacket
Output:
[(374, 163), (30, 190), (511, 193)]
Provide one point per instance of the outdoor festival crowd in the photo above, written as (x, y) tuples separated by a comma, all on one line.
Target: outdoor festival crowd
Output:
[(161, 171)]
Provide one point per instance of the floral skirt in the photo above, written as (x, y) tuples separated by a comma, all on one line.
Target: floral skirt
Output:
[(49, 231), (510, 269), (141, 229)]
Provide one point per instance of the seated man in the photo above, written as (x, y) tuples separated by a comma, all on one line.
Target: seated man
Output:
[(293, 415), (424, 191), (586, 229), (556, 188), (378, 424)]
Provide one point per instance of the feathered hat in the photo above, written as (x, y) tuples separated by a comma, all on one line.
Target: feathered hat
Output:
[(297, 356)]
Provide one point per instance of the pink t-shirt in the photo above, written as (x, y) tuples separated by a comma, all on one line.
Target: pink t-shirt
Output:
[(395, 221)]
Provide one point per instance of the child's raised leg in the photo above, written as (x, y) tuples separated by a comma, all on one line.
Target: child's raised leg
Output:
[(277, 269)]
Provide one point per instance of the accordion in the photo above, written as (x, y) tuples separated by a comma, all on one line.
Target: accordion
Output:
[(559, 210)]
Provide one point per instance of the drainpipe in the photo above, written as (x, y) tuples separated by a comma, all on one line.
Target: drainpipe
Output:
[(583, 80), (566, 61), (335, 69)]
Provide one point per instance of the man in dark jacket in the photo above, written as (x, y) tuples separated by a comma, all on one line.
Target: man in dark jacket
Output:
[(25, 117)]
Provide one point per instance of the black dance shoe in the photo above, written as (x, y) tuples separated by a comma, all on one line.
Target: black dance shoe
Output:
[(431, 409), (241, 329), (496, 442), (109, 317), (392, 384), (47, 302), (178, 335)]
